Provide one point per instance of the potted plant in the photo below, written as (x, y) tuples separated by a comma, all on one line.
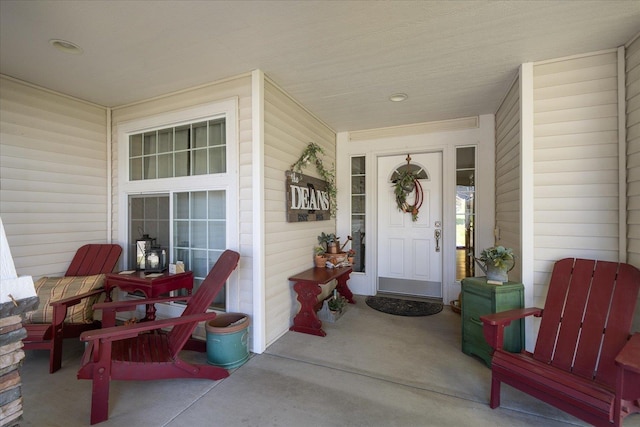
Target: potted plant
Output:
[(351, 255), (330, 241), (321, 257), (496, 262)]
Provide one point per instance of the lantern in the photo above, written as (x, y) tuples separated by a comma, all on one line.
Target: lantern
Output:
[(155, 260), (142, 246)]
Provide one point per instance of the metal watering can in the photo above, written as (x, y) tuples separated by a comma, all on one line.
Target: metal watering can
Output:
[(494, 272)]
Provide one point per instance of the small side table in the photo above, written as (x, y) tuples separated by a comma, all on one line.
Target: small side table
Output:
[(151, 285), (307, 286), (480, 298)]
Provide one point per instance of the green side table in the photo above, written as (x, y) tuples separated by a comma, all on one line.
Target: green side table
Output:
[(480, 298)]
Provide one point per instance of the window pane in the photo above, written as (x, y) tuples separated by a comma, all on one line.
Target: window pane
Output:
[(199, 264), (199, 135), (135, 169), (358, 210), (186, 150), (199, 205), (181, 206), (199, 234), (217, 235), (149, 167), (182, 138), (149, 143), (357, 165), (135, 145), (165, 166), (182, 163), (165, 141), (217, 205), (217, 160), (216, 133), (199, 162)]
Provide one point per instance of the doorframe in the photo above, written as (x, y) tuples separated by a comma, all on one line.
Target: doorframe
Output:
[(414, 154), (443, 136)]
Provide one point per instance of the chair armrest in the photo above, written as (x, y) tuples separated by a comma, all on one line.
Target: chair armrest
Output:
[(628, 371), (629, 356), (494, 324), (130, 304), (60, 306), (109, 309), (76, 299), (117, 333)]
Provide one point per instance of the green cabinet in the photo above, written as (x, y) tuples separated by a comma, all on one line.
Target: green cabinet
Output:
[(480, 298)]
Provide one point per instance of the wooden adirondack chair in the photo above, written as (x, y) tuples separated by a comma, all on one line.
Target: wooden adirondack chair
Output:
[(585, 361), (89, 260), (143, 351)]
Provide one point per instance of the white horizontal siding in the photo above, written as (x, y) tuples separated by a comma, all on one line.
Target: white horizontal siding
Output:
[(508, 175), (576, 182), (633, 153), (632, 62), (53, 166), (288, 128)]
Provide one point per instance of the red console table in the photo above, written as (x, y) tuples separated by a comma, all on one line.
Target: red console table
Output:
[(152, 285), (307, 286)]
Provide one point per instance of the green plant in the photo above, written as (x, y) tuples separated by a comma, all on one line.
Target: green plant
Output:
[(337, 303), (319, 250), (325, 238), (405, 182), (310, 154), (498, 256)]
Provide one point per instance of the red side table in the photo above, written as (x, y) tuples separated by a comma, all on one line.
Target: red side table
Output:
[(151, 285), (307, 286)]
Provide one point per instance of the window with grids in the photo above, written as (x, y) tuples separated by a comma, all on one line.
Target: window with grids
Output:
[(185, 150)]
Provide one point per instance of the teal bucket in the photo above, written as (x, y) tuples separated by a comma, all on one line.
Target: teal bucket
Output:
[(228, 340)]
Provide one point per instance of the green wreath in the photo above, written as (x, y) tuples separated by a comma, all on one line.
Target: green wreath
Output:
[(407, 182)]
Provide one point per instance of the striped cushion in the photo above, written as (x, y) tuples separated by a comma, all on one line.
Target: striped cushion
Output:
[(56, 288)]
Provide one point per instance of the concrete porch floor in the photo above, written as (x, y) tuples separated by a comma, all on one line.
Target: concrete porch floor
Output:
[(372, 369)]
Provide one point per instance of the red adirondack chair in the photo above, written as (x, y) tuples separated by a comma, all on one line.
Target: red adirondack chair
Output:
[(142, 351), (89, 260), (585, 361)]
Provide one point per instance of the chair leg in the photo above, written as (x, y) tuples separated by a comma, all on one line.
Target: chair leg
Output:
[(100, 385), (100, 399), (495, 393), (55, 353)]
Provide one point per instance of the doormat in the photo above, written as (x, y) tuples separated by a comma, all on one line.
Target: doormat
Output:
[(402, 307)]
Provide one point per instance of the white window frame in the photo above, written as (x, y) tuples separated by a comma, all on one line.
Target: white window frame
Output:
[(228, 181)]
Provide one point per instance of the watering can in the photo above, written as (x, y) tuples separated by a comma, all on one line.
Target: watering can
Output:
[(493, 272)]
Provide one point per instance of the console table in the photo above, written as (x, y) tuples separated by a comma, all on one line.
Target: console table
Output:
[(151, 285), (307, 286)]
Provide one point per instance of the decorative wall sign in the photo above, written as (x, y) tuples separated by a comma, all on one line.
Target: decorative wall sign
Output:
[(307, 198)]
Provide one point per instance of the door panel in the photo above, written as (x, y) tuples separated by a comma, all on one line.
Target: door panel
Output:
[(409, 260)]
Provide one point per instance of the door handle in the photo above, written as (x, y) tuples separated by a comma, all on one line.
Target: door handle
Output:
[(437, 234)]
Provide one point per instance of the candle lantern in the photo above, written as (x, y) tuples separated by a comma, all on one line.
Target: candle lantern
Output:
[(155, 260), (143, 245)]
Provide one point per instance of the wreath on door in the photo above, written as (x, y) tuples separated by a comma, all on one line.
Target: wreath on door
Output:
[(404, 184)]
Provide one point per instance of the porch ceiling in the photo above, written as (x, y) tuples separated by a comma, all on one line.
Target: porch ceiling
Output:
[(342, 60)]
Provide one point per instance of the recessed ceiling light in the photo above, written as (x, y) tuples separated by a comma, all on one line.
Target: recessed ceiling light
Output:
[(66, 46), (398, 97)]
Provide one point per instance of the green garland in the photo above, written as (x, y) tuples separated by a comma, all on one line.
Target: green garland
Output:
[(406, 182), (310, 154)]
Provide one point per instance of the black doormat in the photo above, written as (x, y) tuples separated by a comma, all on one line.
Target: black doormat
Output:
[(402, 307)]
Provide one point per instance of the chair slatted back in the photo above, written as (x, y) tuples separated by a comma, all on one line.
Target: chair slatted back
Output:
[(587, 317), (94, 259), (203, 298)]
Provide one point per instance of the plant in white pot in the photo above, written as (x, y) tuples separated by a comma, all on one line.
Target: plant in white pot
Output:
[(496, 262)]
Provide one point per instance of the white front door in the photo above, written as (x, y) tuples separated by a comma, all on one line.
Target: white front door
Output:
[(410, 252)]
